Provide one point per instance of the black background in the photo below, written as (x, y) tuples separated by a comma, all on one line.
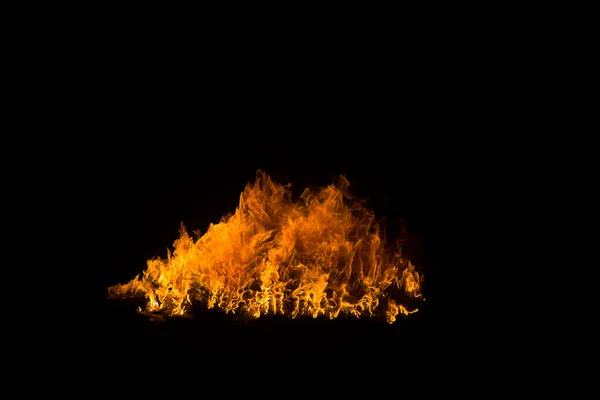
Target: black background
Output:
[(132, 127)]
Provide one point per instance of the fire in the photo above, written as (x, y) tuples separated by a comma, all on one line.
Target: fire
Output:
[(323, 255)]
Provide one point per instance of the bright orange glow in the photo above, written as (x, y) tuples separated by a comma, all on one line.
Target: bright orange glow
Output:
[(322, 255)]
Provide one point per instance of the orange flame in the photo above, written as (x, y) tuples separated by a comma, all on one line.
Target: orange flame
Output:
[(320, 256)]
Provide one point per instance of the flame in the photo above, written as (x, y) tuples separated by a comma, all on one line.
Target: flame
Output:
[(322, 255)]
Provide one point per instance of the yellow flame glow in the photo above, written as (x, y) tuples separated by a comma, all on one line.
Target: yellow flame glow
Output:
[(322, 255)]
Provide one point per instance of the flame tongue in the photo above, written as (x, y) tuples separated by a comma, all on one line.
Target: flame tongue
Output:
[(320, 256)]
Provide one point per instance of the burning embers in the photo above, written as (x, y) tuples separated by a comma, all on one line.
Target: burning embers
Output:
[(323, 255)]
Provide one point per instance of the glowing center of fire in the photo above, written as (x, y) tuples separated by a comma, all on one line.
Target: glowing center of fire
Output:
[(321, 255)]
